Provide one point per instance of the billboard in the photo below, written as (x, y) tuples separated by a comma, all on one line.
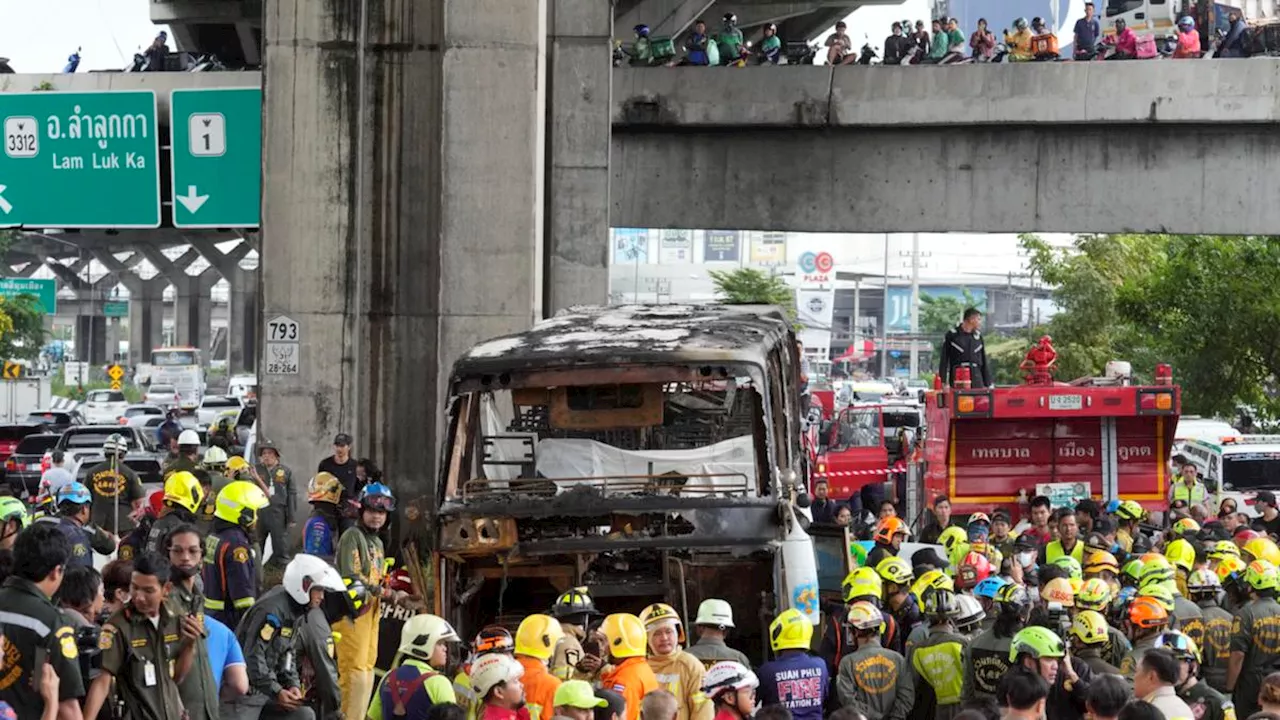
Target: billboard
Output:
[(769, 249), (815, 311), (899, 311), (676, 246), (721, 246), (630, 245)]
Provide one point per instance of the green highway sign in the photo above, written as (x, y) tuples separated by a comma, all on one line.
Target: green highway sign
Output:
[(79, 160), (217, 157), (45, 291), (116, 308)]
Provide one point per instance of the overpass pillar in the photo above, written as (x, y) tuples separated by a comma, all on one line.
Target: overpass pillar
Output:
[(242, 306), (91, 339), (402, 212), (146, 316), (580, 77)]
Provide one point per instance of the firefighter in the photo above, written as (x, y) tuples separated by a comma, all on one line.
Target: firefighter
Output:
[(1145, 620), (74, 510), (1096, 595), (14, 518), (496, 679), (1205, 702), (418, 677), (939, 658), (278, 517), (629, 674), (1089, 637), (360, 554), (116, 489), (1039, 650), (267, 636), (183, 498), (896, 575), (491, 639), (714, 621), (1255, 638), (678, 672), (874, 678), (320, 534), (230, 569), (963, 347), (890, 533), (989, 652), (794, 679), (732, 689), (536, 640), (317, 664), (1203, 587), (575, 611)]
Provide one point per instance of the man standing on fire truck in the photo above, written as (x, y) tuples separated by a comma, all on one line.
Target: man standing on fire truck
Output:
[(964, 347)]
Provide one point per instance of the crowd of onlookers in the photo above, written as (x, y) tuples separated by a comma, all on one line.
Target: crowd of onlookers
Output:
[(943, 43)]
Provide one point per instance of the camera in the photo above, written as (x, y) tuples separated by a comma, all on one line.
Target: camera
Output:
[(1059, 619), (87, 639)]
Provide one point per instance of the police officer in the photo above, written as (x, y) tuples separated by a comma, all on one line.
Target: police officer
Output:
[(117, 491), (198, 689), (963, 347), (35, 632), (267, 636), (230, 570), (278, 517), (74, 509), (316, 643), (181, 501), (873, 677), (1255, 638), (147, 648)]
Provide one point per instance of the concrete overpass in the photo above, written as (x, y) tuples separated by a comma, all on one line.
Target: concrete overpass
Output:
[(1184, 147)]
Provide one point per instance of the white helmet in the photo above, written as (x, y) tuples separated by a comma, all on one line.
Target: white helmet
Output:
[(715, 612), (305, 572), (421, 633), (114, 445), (726, 676), (215, 457), (967, 611), (188, 437), (492, 670)]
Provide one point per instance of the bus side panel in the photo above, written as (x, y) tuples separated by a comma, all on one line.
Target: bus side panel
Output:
[(1142, 454)]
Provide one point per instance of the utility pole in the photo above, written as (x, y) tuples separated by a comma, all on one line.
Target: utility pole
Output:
[(915, 304), (884, 316)]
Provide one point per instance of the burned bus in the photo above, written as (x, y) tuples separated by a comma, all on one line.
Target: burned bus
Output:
[(650, 453)]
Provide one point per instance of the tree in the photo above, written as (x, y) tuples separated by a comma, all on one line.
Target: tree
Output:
[(21, 319), (940, 313), (748, 286)]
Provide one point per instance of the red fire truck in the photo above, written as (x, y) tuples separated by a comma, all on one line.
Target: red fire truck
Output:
[(991, 447)]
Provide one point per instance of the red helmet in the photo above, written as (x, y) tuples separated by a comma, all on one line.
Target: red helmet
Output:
[(156, 502), (973, 569), (1244, 535)]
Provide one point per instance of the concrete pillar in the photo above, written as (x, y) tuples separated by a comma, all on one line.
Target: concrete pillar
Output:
[(91, 339), (146, 317), (115, 333), (416, 154), (243, 299), (580, 75)]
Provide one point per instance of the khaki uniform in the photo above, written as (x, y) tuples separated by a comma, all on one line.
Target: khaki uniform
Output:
[(1216, 649), (112, 483), (275, 519), (1256, 633), (1140, 648), (1092, 656), (877, 683), (1207, 703), (198, 689), (34, 628), (142, 659), (681, 675), (713, 650), (569, 652)]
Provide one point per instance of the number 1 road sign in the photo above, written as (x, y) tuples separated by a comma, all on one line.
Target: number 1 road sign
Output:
[(217, 157), (79, 160)]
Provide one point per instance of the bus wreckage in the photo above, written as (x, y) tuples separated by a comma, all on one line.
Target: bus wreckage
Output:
[(649, 452)]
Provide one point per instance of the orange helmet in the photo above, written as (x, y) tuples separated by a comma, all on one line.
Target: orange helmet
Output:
[(1147, 613), (889, 527)]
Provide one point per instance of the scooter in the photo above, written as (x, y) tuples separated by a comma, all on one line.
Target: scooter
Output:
[(5, 68), (1001, 54), (205, 62), (867, 55), (800, 53)]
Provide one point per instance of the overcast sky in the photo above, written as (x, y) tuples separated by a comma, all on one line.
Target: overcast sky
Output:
[(38, 35)]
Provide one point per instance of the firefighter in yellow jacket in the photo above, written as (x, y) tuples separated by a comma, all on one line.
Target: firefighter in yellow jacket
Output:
[(678, 672)]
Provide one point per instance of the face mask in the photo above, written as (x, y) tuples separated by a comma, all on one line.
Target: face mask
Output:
[(1026, 558), (180, 573)]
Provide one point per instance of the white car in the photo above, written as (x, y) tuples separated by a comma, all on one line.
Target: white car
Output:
[(240, 386), (138, 415), (211, 407), (103, 406), (166, 396)]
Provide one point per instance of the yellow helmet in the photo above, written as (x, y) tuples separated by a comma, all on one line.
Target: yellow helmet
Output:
[(1181, 554), (1095, 595), (625, 634), (537, 636), (1090, 628), (862, 583), (894, 570), (790, 631), (1100, 561), (1263, 548), (324, 488), (1185, 525), (239, 503), (1059, 590), (932, 580), (183, 490), (1261, 575), (659, 614), (1221, 549), (951, 537), (236, 463), (1230, 568)]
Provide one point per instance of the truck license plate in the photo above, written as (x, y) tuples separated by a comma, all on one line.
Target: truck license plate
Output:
[(1066, 402)]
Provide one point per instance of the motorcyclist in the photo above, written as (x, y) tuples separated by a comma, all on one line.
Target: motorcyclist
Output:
[(169, 430), (982, 41), (1019, 44), (1233, 45), (1124, 40), (1188, 39), (641, 48), (700, 48), (730, 39), (896, 46), (770, 50), (940, 43)]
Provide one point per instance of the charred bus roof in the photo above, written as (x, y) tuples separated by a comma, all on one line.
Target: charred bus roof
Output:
[(609, 336)]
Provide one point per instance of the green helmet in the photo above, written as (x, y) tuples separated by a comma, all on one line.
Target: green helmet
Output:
[(11, 508), (1071, 565), (1131, 573), (1155, 573), (1038, 642)]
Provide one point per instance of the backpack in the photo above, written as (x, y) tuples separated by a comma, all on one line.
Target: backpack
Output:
[(402, 690)]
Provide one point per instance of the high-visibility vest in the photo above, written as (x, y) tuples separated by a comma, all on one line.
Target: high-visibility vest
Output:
[(1054, 550), (1193, 495)]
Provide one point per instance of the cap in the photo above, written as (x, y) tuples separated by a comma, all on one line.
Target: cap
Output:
[(1265, 496), (615, 705), (342, 439), (929, 556), (577, 694), (1001, 514)]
